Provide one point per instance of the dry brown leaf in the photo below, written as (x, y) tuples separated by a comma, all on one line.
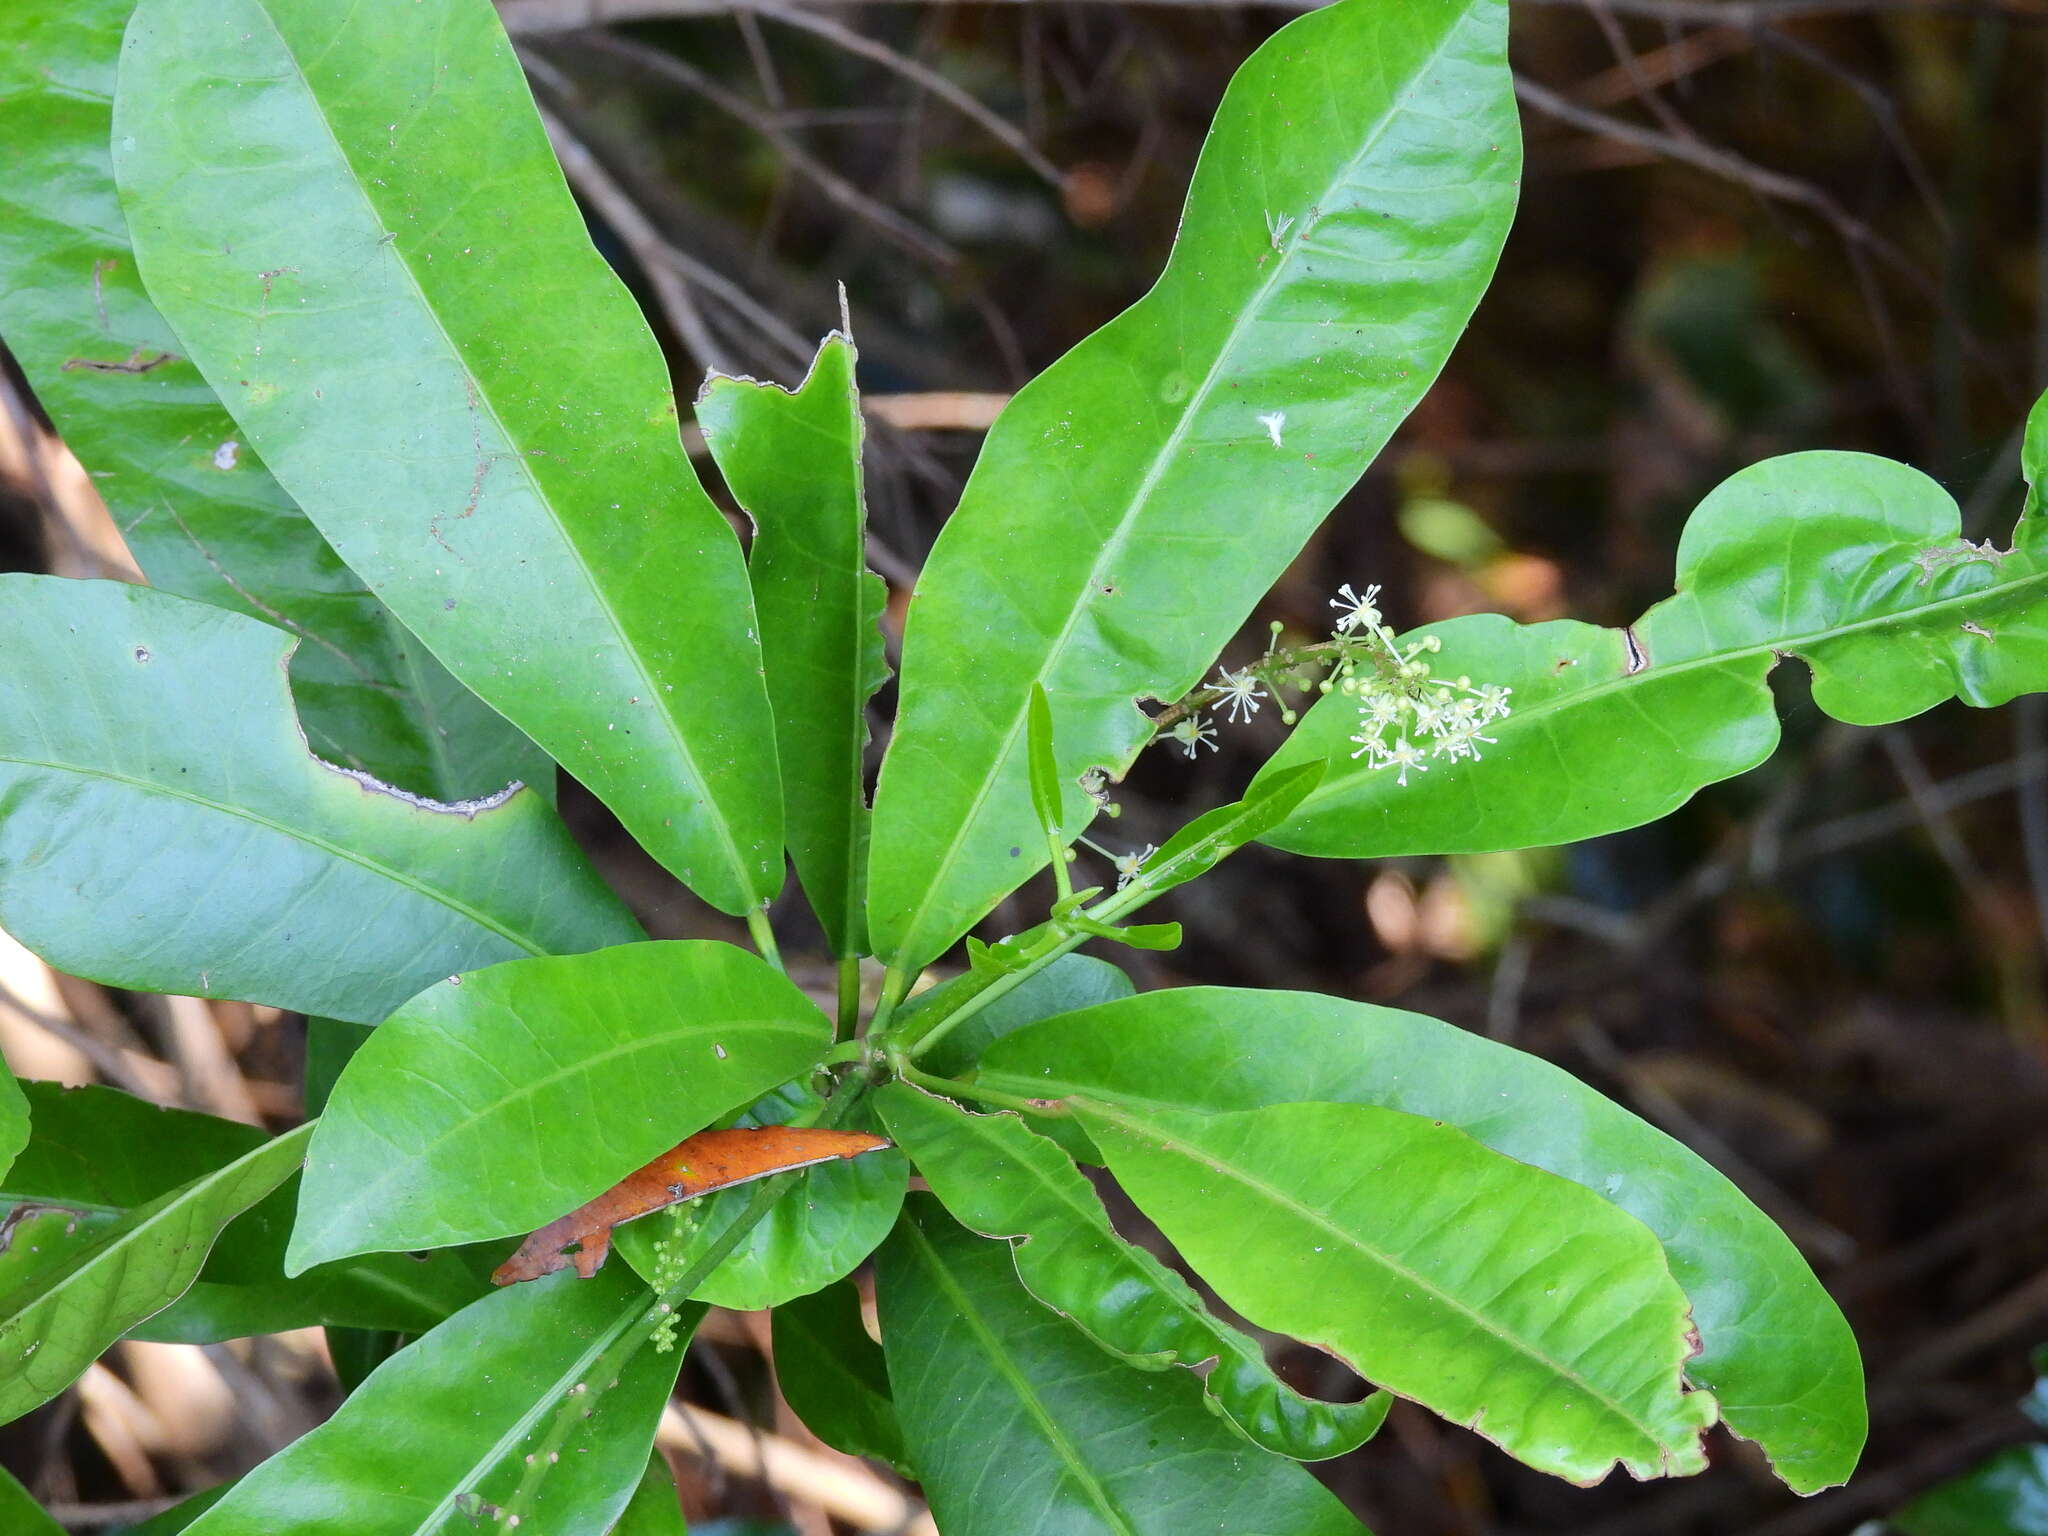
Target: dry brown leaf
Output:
[(698, 1165)]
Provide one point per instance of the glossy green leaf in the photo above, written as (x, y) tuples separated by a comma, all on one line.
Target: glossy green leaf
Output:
[(833, 1216), (655, 1508), (1853, 564), (2005, 1495), (180, 1516), (833, 1376), (497, 1101), (999, 1179), (1511, 1301), (342, 210), (57, 1319), (1775, 1350), (1018, 1425), (1070, 982), (98, 1153), (200, 513), (20, 1514), (163, 827), (437, 1437), (794, 463), (14, 1126), (1135, 500), (1043, 763), (243, 1290)]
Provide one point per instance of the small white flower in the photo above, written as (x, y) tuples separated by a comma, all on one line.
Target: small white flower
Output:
[(1127, 865), (1493, 703), (1384, 709), (1356, 610), (1193, 732), (1370, 744), (1241, 693), (1403, 754)]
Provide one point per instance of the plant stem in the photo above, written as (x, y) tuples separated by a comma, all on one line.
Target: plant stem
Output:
[(1043, 1108), (894, 984), (764, 937), (849, 999)]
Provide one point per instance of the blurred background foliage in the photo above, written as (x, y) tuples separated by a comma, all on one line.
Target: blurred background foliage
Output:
[(1748, 227)]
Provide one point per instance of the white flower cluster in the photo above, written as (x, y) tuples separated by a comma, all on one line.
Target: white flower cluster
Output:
[(1404, 714)]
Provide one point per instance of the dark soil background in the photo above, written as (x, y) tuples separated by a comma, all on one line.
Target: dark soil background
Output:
[(1746, 228)]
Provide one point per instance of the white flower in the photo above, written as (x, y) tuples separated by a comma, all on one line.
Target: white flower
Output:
[(1192, 732), (1403, 754), (1493, 703), (1127, 865), (1356, 610), (1241, 693)]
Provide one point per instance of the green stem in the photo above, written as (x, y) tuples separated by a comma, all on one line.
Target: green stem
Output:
[(849, 999), (953, 1089), (894, 984), (764, 937)]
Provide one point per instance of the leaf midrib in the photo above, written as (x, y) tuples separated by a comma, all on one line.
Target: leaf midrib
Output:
[(1789, 645), (325, 845), (1168, 1141), (1198, 400), (715, 815), (1026, 1394)]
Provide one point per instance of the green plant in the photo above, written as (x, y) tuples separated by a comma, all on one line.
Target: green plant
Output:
[(303, 284)]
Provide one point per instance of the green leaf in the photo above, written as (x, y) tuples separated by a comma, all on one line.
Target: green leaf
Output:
[(244, 1291), (999, 1179), (1775, 1349), (162, 826), (346, 244), (20, 1514), (201, 515), (1044, 764), (1132, 503), (98, 1153), (1853, 564), (794, 463), (1511, 1301), (1070, 982), (180, 1516), (14, 1121), (833, 1376), (1018, 1425), (833, 1216), (656, 1509), (2005, 1495), (56, 1320), (438, 1435), (497, 1101)]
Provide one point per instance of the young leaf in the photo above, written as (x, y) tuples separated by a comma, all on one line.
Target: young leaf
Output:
[(1344, 219), (1000, 1180), (697, 1165), (794, 462), (833, 1217), (1775, 1350), (437, 1437), (198, 510), (163, 827), (343, 246), (833, 1375), (493, 1102), (1213, 836), (1511, 1301), (1853, 564), (58, 1318), (1045, 770), (1018, 1425)]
